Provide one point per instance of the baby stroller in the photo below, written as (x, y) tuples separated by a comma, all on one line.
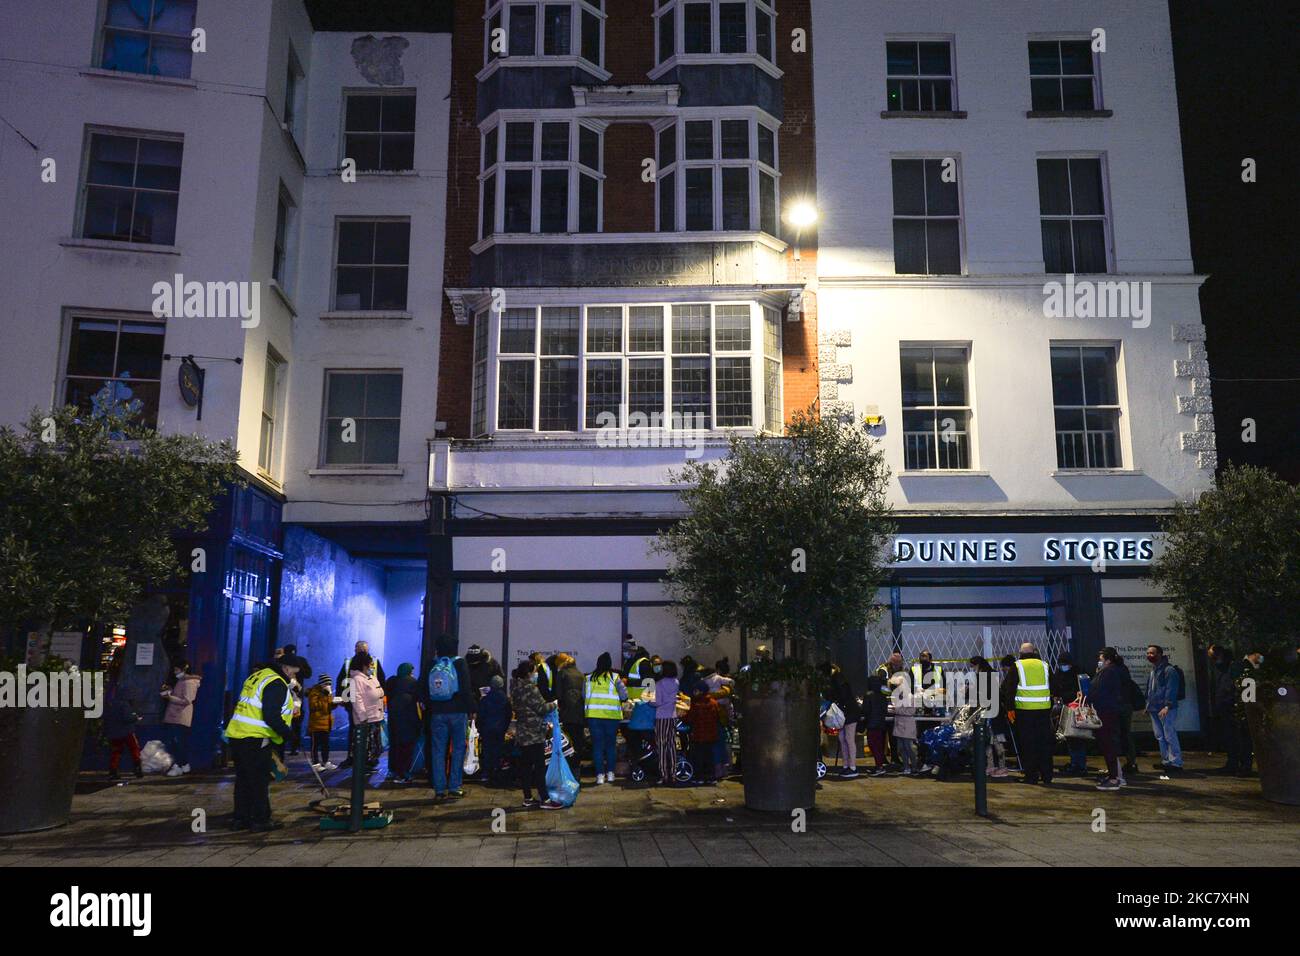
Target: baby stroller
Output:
[(950, 744), (648, 761)]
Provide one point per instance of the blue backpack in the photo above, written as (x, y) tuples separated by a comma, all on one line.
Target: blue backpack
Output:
[(444, 682)]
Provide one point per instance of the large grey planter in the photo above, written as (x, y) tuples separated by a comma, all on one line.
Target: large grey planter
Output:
[(40, 754), (778, 746), (1275, 733)]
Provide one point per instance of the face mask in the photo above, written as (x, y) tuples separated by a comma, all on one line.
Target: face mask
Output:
[(533, 677), (1065, 667)]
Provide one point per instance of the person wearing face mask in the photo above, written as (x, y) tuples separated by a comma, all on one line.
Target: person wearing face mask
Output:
[(1069, 685), (179, 696), (1105, 696), (1241, 750), (532, 716), (1164, 691)]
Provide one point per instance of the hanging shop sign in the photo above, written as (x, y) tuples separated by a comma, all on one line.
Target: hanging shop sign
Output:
[(1025, 550)]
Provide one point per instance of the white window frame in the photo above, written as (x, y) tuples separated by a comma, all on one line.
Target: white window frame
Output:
[(349, 92), (936, 409), (951, 77), (750, 55), (1106, 218), (1058, 39), (494, 358), (497, 170), (499, 8), (961, 209), (679, 164)]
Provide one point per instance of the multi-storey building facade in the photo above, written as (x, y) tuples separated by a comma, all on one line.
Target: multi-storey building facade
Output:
[(623, 293), (1007, 301), (151, 150)]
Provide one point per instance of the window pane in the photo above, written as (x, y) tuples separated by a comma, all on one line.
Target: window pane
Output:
[(560, 331), (383, 396), (397, 151), (645, 392), (346, 396), (1103, 439), (604, 392), (340, 452), (490, 147), (936, 94), (515, 395), (1089, 246), (519, 142), (590, 37), (919, 450), (380, 442), (1077, 94), (699, 199), (605, 329), (952, 439), (940, 196), (735, 398), (1045, 95), (112, 160), (555, 200), (362, 113), (944, 238), (668, 145), (559, 401), (523, 30), (1044, 58), (91, 350), (390, 288), (666, 37), (555, 141), (732, 328), (763, 34), (735, 139), (909, 246), (588, 204), (699, 139), (489, 205), (901, 58), (558, 30), (356, 242), (1099, 377), (645, 328), (691, 329), (398, 113), (699, 28), (519, 200), (353, 288), (766, 145), (1058, 253), (935, 59), (159, 165), (735, 198), (667, 204), (1076, 57), (691, 389), (767, 203), (155, 218), (1053, 187), (773, 413), (950, 376), (589, 148), (393, 242), (917, 375), (909, 187), (732, 30), (1067, 377), (1085, 187), (518, 331)]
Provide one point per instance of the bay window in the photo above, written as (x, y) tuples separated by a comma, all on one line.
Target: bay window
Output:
[(683, 366), (540, 176), (717, 174), (715, 31), (561, 28)]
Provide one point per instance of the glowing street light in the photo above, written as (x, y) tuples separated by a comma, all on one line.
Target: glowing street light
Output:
[(802, 215)]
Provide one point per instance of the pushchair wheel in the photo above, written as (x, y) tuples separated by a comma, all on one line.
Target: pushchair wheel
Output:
[(684, 771), (821, 769), (637, 774)]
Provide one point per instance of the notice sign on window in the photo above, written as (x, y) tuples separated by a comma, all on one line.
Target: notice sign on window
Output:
[(144, 655)]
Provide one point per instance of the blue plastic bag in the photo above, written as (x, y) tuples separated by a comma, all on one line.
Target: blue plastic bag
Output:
[(562, 785)]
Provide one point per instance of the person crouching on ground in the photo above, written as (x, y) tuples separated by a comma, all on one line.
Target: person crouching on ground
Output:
[(532, 716), (180, 712), (703, 718), (320, 722), (260, 723)]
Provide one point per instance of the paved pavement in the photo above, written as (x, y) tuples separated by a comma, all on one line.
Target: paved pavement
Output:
[(1198, 819)]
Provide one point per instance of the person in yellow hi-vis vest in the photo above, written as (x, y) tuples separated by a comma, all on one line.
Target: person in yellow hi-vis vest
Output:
[(602, 699), (259, 722), (1035, 736)]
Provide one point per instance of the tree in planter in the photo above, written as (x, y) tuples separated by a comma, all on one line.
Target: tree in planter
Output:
[(90, 506), (1231, 567), (786, 537)]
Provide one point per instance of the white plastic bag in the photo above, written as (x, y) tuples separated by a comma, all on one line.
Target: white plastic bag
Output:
[(833, 719), (471, 751), (154, 757)]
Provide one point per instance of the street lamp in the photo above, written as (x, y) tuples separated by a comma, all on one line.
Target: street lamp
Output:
[(802, 215)]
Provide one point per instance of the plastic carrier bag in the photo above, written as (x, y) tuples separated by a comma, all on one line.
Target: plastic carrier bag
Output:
[(562, 785), (471, 764), (154, 757)]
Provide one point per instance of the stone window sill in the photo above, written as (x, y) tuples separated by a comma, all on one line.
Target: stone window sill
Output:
[(923, 114), (945, 473), (368, 316), (183, 82), (117, 245), (349, 472), (1095, 472), (1069, 114)]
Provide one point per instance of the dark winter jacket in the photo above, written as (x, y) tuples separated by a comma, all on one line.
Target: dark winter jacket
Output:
[(875, 705), (530, 713), (1108, 689), (1130, 695), (493, 712), (404, 726), (569, 682), (464, 701), (1064, 685), (482, 668), (841, 695), (1222, 691), (120, 716)]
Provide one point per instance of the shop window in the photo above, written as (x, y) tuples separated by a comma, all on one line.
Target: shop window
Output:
[(936, 408), (1085, 397)]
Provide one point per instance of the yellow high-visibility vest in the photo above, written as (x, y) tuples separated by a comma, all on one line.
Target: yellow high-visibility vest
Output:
[(1032, 689), (246, 721), (634, 691), (601, 698), (936, 679)]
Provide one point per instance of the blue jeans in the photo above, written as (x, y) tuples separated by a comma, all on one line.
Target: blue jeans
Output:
[(604, 743), (176, 739), (1167, 736), (448, 728), (1078, 748)]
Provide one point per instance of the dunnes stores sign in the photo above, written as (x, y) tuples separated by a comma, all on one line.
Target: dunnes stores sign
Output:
[(1025, 550)]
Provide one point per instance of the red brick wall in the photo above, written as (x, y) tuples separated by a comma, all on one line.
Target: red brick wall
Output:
[(629, 201)]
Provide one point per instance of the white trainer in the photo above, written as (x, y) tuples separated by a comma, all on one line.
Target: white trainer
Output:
[(175, 770)]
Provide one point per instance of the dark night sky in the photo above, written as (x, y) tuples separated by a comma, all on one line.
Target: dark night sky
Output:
[(1236, 62)]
